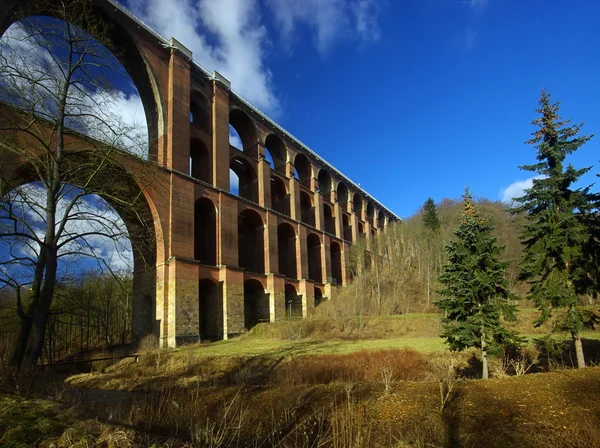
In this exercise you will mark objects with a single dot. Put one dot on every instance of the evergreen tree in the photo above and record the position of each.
(475, 291)
(432, 225)
(431, 220)
(555, 236)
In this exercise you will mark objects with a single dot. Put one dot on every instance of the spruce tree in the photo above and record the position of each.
(555, 237)
(431, 220)
(474, 288)
(432, 225)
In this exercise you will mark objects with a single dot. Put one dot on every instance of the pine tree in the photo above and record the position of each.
(474, 288)
(432, 225)
(431, 220)
(554, 237)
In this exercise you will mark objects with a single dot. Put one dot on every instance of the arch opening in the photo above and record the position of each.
(242, 179)
(307, 211)
(303, 170)
(342, 193)
(251, 242)
(210, 311)
(370, 213)
(286, 250)
(199, 161)
(329, 219)
(336, 263)
(205, 232)
(313, 243)
(256, 304)
(277, 151)
(347, 227)
(110, 96)
(103, 253)
(293, 301)
(324, 179)
(318, 295)
(381, 219)
(199, 110)
(280, 200)
(357, 204)
(242, 132)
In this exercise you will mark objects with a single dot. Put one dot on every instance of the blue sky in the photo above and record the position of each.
(408, 98)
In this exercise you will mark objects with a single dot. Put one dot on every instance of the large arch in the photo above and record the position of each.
(358, 204)
(313, 244)
(210, 311)
(347, 227)
(276, 148)
(370, 213)
(256, 304)
(303, 169)
(380, 219)
(247, 187)
(245, 128)
(307, 211)
(336, 263)
(130, 197)
(286, 250)
(101, 18)
(199, 110)
(251, 242)
(293, 301)
(342, 193)
(324, 179)
(329, 219)
(205, 232)
(199, 161)
(318, 295)
(280, 199)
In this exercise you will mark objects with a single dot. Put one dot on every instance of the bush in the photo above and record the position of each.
(398, 365)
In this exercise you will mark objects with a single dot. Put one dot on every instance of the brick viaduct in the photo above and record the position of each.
(225, 262)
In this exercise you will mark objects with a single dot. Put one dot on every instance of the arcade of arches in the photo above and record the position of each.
(230, 256)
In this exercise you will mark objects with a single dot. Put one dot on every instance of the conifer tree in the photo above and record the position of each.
(554, 237)
(431, 220)
(432, 224)
(474, 288)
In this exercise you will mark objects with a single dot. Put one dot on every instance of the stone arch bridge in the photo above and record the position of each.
(222, 262)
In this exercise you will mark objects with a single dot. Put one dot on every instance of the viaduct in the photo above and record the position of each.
(223, 262)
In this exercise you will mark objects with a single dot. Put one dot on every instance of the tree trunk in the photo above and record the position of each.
(484, 363)
(578, 350)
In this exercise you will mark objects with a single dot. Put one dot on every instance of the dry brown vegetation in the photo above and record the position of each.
(364, 399)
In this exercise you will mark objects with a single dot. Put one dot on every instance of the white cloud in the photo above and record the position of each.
(224, 35)
(516, 190)
(330, 19)
(234, 183)
(234, 139)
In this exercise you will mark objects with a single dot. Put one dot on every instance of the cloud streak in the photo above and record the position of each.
(516, 190)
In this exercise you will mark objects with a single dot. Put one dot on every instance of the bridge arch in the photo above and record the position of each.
(342, 193)
(251, 235)
(256, 304)
(199, 110)
(286, 250)
(280, 200)
(303, 169)
(313, 244)
(205, 232)
(329, 219)
(276, 148)
(380, 219)
(246, 130)
(245, 176)
(370, 213)
(133, 201)
(200, 167)
(210, 310)
(307, 211)
(336, 263)
(324, 179)
(293, 301)
(93, 16)
(358, 204)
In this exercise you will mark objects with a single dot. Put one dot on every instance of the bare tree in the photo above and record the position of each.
(61, 128)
